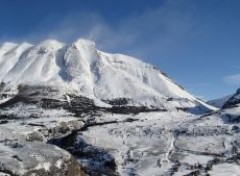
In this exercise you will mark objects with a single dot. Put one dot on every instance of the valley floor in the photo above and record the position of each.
(153, 143)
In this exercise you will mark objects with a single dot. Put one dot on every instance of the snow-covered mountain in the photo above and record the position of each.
(230, 111)
(233, 100)
(79, 68)
(220, 101)
(72, 110)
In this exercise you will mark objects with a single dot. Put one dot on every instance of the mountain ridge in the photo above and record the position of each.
(82, 69)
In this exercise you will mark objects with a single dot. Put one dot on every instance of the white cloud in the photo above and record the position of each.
(200, 85)
(232, 79)
(150, 35)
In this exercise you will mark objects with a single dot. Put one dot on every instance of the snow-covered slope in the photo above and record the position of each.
(81, 69)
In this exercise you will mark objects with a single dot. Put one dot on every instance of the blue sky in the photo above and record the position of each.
(197, 42)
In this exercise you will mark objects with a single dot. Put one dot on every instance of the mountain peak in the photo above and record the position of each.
(6, 46)
(84, 43)
(50, 44)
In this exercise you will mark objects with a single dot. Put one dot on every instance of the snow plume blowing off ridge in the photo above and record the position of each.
(79, 68)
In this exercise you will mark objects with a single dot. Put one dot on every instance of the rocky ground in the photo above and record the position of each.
(45, 136)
